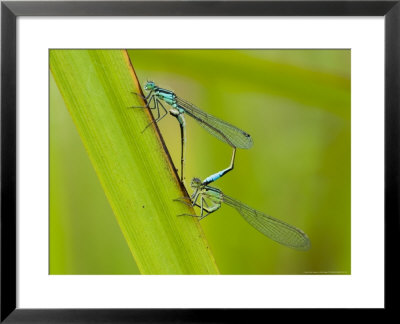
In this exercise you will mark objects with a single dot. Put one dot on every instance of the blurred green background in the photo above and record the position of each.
(296, 106)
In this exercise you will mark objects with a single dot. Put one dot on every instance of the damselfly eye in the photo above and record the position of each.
(195, 182)
(150, 85)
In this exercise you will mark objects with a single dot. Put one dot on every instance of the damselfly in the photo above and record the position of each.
(209, 200)
(233, 136)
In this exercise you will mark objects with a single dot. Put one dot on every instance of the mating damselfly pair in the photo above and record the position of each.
(208, 198)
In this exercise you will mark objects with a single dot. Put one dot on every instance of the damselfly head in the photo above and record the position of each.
(150, 85)
(196, 183)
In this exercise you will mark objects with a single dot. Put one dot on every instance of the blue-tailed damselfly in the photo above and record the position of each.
(209, 199)
(233, 136)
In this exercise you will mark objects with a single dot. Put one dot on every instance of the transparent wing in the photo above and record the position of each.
(273, 228)
(222, 130)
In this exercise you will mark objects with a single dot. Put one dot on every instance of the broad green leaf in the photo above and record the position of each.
(133, 166)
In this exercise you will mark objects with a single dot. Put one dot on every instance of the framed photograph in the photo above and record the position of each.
(195, 161)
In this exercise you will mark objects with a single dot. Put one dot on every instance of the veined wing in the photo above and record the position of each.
(222, 130)
(273, 228)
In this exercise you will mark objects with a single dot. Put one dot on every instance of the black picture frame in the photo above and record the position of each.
(9, 13)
